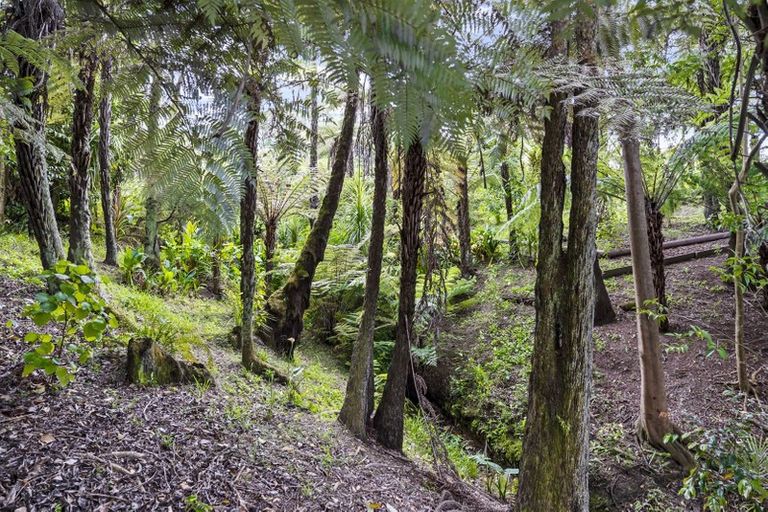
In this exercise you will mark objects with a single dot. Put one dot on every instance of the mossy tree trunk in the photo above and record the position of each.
(554, 465)
(655, 222)
(248, 207)
(80, 170)
(285, 308)
(389, 416)
(36, 20)
(654, 423)
(465, 242)
(358, 400)
(105, 135)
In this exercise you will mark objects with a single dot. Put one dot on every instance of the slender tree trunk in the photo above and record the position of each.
(270, 244)
(554, 465)
(151, 203)
(285, 307)
(763, 254)
(247, 220)
(604, 313)
(465, 244)
(654, 422)
(482, 162)
(735, 197)
(314, 200)
(655, 220)
(105, 120)
(36, 19)
(151, 227)
(358, 401)
(506, 185)
(389, 416)
(709, 82)
(80, 170)
(216, 285)
(3, 190)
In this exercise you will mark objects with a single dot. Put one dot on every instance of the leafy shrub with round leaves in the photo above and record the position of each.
(79, 313)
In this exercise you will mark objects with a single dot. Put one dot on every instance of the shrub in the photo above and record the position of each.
(79, 311)
(732, 471)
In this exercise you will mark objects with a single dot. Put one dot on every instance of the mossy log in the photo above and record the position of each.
(150, 365)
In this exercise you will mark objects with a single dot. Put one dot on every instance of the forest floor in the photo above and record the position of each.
(247, 444)
(482, 374)
(243, 444)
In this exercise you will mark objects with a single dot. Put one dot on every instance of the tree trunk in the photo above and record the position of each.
(389, 416)
(358, 401)
(654, 422)
(105, 120)
(151, 204)
(285, 307)
(604, 313)
(36, 19)
(80, 170)
(314, 200)
(465, 249)
(216, 285)
(506, 185)
(151, 226)
(763, 254)
(735, 197)
(554, 465)
(3, 190)
(270, 244)
(655, 220)
(248, 207)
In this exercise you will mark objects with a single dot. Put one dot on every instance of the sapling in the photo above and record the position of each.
(79, 312)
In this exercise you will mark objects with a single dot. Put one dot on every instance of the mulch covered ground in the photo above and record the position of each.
(103, 445)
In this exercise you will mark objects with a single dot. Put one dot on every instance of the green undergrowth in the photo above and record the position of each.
(190, 327)
(489, 385)
(18, 257)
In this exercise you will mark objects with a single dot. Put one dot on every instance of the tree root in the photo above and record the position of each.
(676, 448)
(266, 370)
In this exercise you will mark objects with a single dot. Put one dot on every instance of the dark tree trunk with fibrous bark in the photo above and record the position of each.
(36, 19)
(80, 170)
(604, 313)
(389, 416)
(655, 223)
(247, 220)
(270, 246)
(358, 400)
(506, 185)
(465, 243)
(554, 465)
(285, 308)
(654, 423)
(105, 120)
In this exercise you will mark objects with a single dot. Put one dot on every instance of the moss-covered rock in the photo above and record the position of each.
(149, 364)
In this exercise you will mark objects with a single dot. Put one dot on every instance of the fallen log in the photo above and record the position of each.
(683, 242)
(622, 271)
